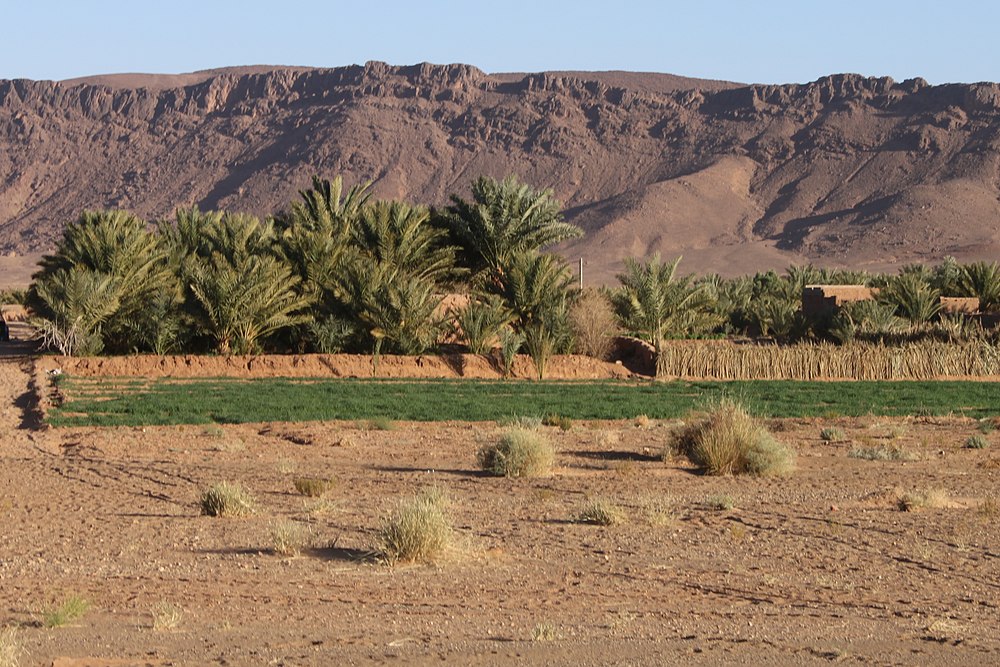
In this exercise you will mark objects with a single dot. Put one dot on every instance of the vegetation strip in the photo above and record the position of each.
(221, 400)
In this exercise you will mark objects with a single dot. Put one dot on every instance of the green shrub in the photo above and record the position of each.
(71, 610)
(976, 442)
(419, 529)
(729, 441)
(226, 499)
(519, 453)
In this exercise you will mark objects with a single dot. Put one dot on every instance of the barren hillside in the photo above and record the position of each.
(846, 170)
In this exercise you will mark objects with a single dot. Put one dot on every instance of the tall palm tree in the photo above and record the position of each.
(504, 219)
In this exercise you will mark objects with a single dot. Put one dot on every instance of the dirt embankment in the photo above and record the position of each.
(561, 367)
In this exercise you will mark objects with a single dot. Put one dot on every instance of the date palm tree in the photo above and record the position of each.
(654, 303)
(504, 219)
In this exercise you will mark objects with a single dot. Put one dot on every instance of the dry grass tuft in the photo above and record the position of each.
(11, 650)
(720, 502)
(289, 538)
(872, 452)
(912, 501)
(314, 487)
(519, 453)
(544, 632)
(226, 499)
(729, 441)
(71, 610)
(167, 616)
(832, 434)
(602, 512)
(419, 529)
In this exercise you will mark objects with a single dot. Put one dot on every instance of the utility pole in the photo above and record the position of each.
(581, 274)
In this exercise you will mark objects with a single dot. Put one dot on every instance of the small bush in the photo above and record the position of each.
(519, 453)
(289, 538)
(71, 610)
(976, 442)
(314, 487)
(832, 434)
(11, 649)
(544, 632)
(516, 421)
(728, 441)
(167, 616)
(226, 499)
(917, 500)
(986, 426)
(564, 423)
(602, 512)
(720, 502)
(881, 453)
(417, 531)
(377, 424)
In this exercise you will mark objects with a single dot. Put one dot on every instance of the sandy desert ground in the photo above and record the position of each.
(818, 567)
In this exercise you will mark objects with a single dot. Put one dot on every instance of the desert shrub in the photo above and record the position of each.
(925, 499)
(593, 323)
(521, 421)
(720, 502)
(11, 649)
(71, 610)
(564, 423)
(881, 453)
(520, 452)
(226, 499)
(167, 616)
(986, 426)
(976, 442)
(832, 434)
(729, 441)
(314, 487)
(289, 538)
(377, 424)
(417, 530)
(544, 632)
(602, 512)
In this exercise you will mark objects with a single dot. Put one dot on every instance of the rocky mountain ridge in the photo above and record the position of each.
(846, 170)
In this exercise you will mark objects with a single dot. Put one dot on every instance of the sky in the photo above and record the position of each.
(782, 41)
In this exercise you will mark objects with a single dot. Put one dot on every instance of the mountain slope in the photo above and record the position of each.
(847, 170)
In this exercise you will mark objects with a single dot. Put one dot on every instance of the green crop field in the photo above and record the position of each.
(133, 402)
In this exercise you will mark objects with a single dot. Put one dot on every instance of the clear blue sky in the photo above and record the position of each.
(739, 40)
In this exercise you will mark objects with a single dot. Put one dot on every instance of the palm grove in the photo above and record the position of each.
(340, 271)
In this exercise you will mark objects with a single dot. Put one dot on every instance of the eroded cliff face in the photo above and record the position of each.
(844, 170)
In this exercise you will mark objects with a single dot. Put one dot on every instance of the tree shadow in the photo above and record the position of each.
(614, 455)
(447, 471)
(342, 554)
